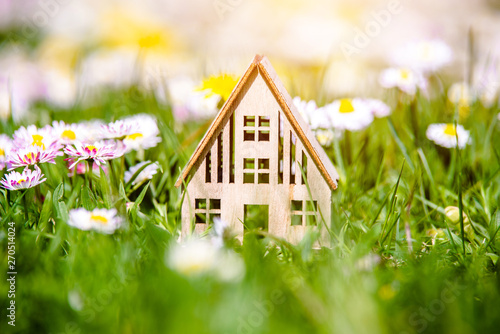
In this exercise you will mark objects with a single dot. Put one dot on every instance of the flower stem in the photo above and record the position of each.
(26, 216)
(7, 216)
(88, 174)
(414, 120)
(348, 146)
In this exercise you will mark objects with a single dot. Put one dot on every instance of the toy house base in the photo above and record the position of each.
(258, 164)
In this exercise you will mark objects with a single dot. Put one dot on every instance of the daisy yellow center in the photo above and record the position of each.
(134, 136)
(426, 51)
(90, 147)
(29, 156)
(405, 74)
(193, 268)
(68, 134)
(21, 181)
(149, 41)
(37, 141)
(2, 152)
(450, 130)
(322, 138)
(219, 85)
(99, 219)
(346, 106)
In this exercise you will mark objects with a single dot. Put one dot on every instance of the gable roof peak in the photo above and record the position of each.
(301, 128)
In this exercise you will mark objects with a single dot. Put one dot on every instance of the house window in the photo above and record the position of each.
(304, 213)
(256, 167)
(208, 167)
(256, 128)
(292, 158)
(303, 179)
(206, 210)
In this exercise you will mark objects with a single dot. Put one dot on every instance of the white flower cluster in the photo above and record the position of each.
(330, 120)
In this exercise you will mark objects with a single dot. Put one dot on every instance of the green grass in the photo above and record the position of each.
(383, 274)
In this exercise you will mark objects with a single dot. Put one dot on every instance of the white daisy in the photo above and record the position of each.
(305, 108)
(100, 220)
(119, 129)
(193, 257)
(461, 94)
(69, 133)
(487, 85)
(146, 136)
(27, 179)
(114, 68)
(187, 102)
(197, 257)
(146, 174)
(218, 231)
(326, 137)
(445, 135)
(349, 114)
(426, 55)
(405, 80)
(5, 147)
(93, 130)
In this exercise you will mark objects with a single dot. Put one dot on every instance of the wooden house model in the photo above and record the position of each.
(258, 163)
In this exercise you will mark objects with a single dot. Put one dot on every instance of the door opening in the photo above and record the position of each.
(256, 217)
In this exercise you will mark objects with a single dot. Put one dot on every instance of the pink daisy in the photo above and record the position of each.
(99, 152)
(27, 179)
(32, 155)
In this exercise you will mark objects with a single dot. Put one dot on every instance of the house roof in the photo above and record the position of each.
(303, 131)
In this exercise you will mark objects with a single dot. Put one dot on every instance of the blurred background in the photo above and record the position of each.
(65, 52)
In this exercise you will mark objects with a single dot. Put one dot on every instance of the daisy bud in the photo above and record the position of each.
(453, 214)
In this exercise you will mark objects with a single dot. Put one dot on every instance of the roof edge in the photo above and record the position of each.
(218, 120)
(299, 128)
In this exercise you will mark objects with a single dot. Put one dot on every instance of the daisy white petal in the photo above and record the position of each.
(188, 101)
(305, 108)
(146, 174)
(32, 155)
(69, 133)
(425, 55)
(99, 152)
(32, 136)
(196, 257)
(119, 129)
(378, 108)
(81, 168)
(326, 137)
(192, 258)
(461, 94)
